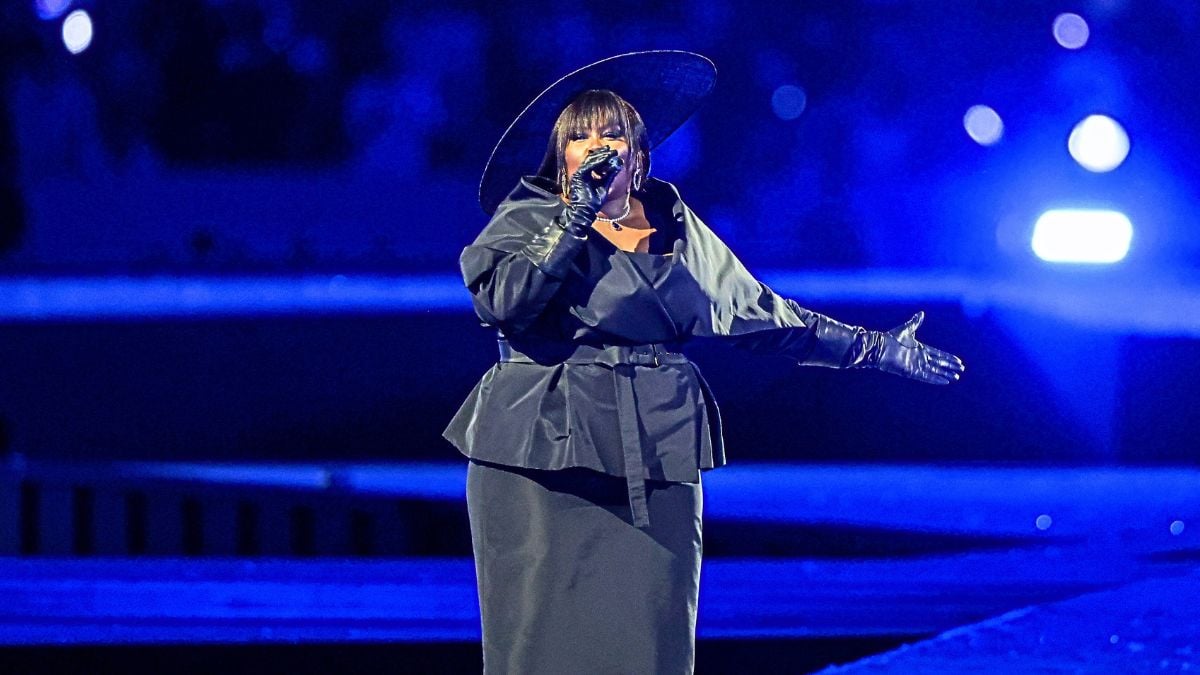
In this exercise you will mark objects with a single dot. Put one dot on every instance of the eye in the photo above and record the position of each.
(614, 133)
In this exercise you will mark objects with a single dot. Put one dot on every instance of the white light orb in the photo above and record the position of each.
(1082, 236)
(77, 31)
(1070, 30)
(983, 124)
(1099, 143)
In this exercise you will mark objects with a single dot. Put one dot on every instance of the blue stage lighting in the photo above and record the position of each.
(1071, 31)
(77, 31)
(789, 101)
(1098, 143)
(1082, 236)
(51, 9)
(983, 124)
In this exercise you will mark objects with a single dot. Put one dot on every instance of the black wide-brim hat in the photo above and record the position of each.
(664, 86)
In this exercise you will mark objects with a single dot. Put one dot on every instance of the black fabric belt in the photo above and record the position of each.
(623, 359)
(649, 355)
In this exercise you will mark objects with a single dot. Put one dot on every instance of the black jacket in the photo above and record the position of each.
(551, 410)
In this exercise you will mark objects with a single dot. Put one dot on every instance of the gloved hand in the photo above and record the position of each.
(898, 352)
(589, 186)
(555, 247)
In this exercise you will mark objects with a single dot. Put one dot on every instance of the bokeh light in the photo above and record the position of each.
(1082, 236)
(1071, 31)
(51, 9)
(1099, 143)
(308, 55)
(789, 101)
(77, 31)
(983, 124)
(1177, 527)
(1043, 522)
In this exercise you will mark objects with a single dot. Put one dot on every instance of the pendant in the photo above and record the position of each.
(617, 226)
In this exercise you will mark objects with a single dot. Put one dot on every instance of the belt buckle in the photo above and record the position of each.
(638, 356)
(647, 356)
(650, 359)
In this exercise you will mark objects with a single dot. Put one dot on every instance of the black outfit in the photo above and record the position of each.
(588, 437)
(568, 585)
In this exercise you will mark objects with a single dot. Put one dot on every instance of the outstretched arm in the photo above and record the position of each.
(745, 311)
(823, 341)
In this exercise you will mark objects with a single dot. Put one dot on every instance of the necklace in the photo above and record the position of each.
(615, 222)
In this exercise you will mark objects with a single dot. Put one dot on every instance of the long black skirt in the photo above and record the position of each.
(568, 585)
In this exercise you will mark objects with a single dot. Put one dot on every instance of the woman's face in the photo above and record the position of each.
(610, 134)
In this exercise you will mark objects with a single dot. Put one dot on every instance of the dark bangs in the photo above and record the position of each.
(593, 109)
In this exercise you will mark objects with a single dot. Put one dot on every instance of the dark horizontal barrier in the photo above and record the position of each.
(381, 386)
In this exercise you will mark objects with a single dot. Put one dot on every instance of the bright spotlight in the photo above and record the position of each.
(77, 31)
(1070, 30)
(983, 124)
(789, 101)
(1098, 143)
(1082, 236)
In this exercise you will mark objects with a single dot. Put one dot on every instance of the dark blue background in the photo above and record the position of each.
(272, 140)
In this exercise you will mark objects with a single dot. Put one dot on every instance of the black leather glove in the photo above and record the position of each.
(589, 186)
(898, 352)
(553, 250)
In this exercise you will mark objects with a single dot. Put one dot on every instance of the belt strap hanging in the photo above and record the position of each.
(631, 443)
(622, 360)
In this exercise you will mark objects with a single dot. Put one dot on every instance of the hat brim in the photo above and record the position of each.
(664, 86)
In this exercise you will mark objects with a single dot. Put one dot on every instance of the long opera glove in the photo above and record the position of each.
(553, 249)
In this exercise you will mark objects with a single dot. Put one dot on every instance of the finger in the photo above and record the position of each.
(948, 375)
(610, 168)
(909, 329)
(933, 377)
(950, 364)
(947, 369)
(602, 172)
(597, 157)
(940, 355)
(606, 157)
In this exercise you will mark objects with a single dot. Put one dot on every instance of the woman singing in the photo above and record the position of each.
(586, 440)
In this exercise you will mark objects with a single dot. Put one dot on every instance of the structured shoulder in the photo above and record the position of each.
(526, 212)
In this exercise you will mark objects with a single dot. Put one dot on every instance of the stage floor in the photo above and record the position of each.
(974, 560)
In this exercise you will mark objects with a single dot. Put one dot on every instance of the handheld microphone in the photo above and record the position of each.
(611, 166)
